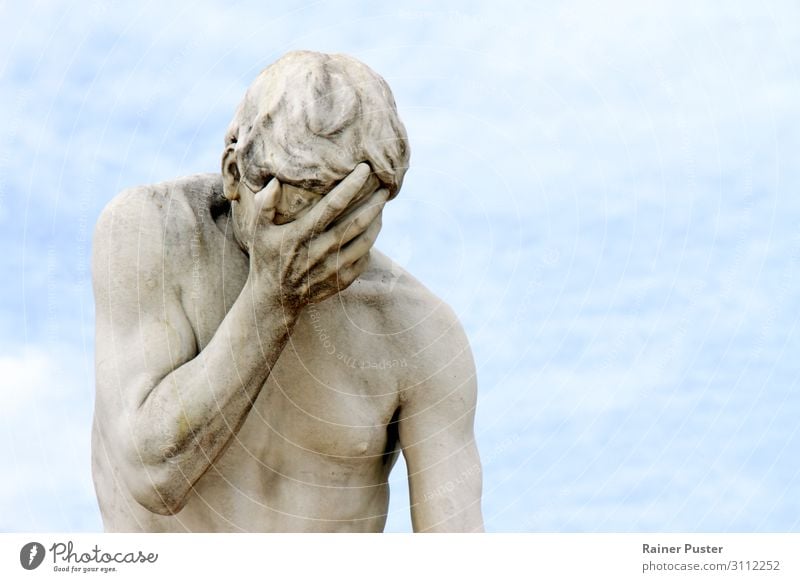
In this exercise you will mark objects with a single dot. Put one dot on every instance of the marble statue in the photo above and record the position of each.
(259, 365)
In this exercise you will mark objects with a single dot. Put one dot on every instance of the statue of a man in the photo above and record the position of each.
(259, 365)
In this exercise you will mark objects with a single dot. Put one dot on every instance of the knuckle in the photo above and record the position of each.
(339, 203)
(367, 217)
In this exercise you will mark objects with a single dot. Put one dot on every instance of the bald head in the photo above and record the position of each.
(310, 118)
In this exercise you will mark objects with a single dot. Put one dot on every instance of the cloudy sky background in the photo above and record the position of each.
(608, 197)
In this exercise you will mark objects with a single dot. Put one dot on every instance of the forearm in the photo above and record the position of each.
(190, 416)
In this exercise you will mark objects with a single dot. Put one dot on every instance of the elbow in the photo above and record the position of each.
(159, 501)
(161, 490)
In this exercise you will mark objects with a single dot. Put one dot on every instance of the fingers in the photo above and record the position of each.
(266, 202)
(339, 281)
(354, 223)
(351, 272)
(338, 200)
(367, 189)
(359, 246)
(337, 271)
(328, 247)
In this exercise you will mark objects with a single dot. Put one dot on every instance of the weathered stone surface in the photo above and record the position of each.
(259, 364)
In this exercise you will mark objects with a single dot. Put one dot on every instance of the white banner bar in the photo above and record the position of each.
(406, 557)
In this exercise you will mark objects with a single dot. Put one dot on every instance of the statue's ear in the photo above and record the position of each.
(230, 173)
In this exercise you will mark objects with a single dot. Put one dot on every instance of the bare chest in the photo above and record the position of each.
(317, 404)
(334, 391)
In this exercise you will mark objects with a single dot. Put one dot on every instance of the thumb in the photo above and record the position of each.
(266, 202)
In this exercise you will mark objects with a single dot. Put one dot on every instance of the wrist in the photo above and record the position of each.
(268, 300)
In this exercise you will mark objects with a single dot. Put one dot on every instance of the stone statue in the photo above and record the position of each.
(259, 364)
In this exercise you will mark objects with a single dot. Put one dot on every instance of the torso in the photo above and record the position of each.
(317, 447)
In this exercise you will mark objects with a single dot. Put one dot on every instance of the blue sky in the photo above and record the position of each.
(607, 196)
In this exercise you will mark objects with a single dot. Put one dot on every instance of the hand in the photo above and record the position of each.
(322, 252)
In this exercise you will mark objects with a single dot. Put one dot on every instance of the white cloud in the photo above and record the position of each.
(46, 416)
(25, 377)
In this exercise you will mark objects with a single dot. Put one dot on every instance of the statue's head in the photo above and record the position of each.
(308, 119)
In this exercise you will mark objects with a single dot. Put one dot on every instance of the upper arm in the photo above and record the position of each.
(437, 437)
(142, 332)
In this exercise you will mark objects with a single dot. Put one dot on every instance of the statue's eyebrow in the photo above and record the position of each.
(255, 175)
(316, 186)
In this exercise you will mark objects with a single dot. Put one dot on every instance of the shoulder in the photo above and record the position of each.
(142, 228)
(440, 380)
(406, 301)
(419, 321)
(178, 203)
